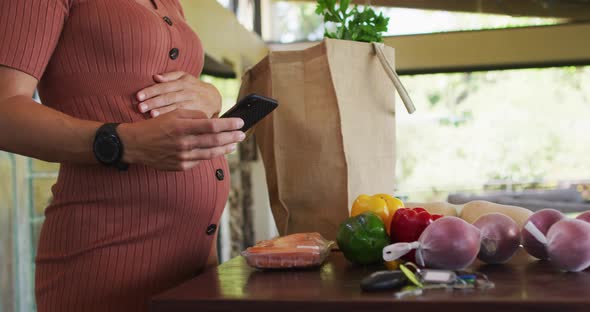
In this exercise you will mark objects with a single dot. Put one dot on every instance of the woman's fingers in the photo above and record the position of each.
(165, 100)
(207, 153)
(180, 105)
(171, 76)
(160, 88)
(180, 139)
(189, 159)
(185, 165)
(178, 89)
(203, 126)
(160, 111)
(190, 114)
(210, 140)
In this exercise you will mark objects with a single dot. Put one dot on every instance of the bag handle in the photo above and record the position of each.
(394, 78)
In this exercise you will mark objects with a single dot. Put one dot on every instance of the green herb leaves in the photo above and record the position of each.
(352, 24)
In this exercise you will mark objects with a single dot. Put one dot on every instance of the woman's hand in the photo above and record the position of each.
(179, 140)
(177, 90)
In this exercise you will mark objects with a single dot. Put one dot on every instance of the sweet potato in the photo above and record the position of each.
(441, 208)
(477, 208)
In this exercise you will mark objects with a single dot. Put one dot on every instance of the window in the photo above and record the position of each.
(497, 130)
(290, 21)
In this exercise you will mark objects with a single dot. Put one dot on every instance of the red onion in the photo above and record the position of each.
(448, 243)
(500, 237)
(584, 216)
(542, 220)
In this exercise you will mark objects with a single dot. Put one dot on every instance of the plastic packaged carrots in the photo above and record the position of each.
(299, 250)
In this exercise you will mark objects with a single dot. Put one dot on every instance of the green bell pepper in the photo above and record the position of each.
(362, 238)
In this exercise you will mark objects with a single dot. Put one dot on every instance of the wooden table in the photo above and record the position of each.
(524, 284)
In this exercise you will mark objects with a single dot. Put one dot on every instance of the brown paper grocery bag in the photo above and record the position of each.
(332, 136)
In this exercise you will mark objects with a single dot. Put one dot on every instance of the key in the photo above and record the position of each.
(477, 279)
(409, 291)
(419, 291)
(462, 285)
(437, 286)
(484, 284)
(384, 280)
(438, 276)
(410, 275)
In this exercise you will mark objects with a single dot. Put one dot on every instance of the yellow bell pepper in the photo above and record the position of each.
(384, 205)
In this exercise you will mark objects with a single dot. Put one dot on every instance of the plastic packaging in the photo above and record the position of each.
(301, 250)
(585, 216)
(542, 220)
(448, 243)
(567, 242)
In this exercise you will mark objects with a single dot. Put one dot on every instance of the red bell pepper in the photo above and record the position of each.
(408, 224)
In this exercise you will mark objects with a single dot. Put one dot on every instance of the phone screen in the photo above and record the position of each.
(251, 109)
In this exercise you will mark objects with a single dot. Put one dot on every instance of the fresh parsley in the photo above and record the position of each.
(352, 24)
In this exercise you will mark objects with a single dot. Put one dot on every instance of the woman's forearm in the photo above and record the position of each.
(37, 131)
(177, 140)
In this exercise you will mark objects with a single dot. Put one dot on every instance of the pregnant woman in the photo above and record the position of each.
(143, 177)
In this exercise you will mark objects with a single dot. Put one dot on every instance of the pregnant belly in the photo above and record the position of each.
(96, 207)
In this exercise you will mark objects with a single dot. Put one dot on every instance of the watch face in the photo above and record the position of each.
(107, 149)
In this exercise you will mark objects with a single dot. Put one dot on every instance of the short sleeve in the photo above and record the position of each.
(29, 32)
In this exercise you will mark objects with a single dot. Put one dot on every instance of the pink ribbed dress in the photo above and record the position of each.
(113, 239)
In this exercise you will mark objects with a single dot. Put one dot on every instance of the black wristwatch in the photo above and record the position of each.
(108, 148)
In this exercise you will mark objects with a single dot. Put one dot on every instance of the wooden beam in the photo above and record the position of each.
(230, 48)
(526, 47)
(578, 10)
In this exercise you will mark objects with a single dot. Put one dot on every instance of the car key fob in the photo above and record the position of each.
(384, 280)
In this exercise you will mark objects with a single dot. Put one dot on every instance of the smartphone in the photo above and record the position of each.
(251, 109)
